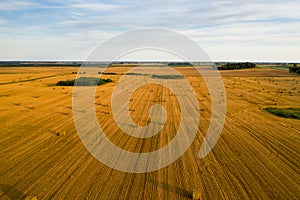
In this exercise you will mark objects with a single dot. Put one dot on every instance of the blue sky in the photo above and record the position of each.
(257, 30)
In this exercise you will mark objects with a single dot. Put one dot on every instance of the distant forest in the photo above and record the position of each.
(231, 66)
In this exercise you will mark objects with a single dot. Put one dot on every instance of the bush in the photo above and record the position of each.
(294, 69)
(66, 83)
(84, 81)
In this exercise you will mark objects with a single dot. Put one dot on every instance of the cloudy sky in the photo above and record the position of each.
(229, 30)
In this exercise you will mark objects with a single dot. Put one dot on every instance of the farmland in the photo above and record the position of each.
(256, 157)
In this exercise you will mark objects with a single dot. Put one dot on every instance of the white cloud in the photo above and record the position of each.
(95, 6)
(11, 5)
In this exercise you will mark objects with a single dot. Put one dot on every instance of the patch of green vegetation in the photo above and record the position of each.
(136, 74)
(275, 66)
(293, 113)
(155, 76)
(84, 81)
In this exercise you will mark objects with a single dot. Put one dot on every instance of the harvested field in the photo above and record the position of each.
(256, 157)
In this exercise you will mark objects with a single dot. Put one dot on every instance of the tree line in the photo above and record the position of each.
(84, 81)
(231, 66)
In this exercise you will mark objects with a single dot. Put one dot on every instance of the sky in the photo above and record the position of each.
(236, 30)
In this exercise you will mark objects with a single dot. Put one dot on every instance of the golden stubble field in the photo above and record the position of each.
(256, 157)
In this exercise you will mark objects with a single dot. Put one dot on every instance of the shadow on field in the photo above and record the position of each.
(172, 188)
(12, 193)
